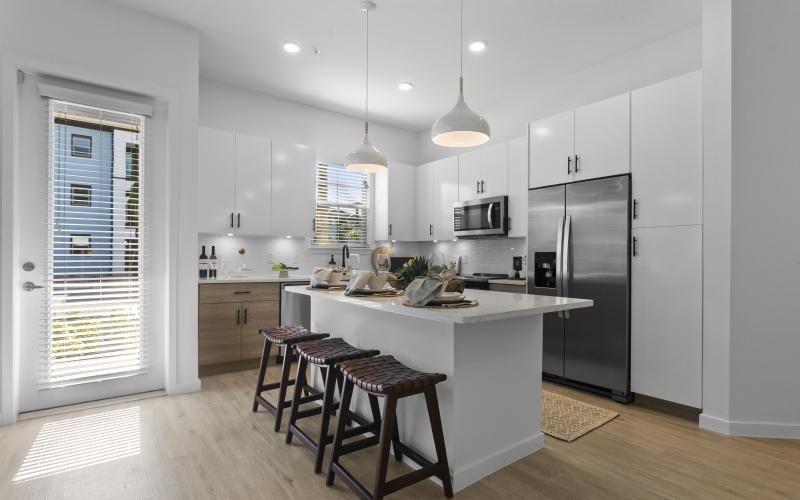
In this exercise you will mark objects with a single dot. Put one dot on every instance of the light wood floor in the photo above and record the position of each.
(209, 445)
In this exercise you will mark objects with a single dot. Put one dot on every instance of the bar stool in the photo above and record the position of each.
(288, 336)
(387, 377)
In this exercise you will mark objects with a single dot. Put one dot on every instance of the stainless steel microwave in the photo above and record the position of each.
(481, 218)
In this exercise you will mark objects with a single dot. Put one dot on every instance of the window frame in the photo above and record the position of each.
(73, 196)
(366, 196)
(72, 150)
(80, 250)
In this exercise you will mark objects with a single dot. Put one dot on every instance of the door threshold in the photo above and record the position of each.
(58, 410)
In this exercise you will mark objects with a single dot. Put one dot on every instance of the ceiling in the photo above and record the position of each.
(529, 42)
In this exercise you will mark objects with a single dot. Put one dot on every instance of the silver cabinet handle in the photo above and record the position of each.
(30, 286)
(635, 208)
(565, 262)
(635, 246)
(569, 164)
(576, 164)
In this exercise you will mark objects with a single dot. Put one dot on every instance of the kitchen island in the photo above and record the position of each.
(491, 354)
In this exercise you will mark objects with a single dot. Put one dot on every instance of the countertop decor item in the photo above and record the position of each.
(414, 268)
(283, 269)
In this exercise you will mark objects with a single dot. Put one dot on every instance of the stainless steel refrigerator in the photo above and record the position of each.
(578, 246)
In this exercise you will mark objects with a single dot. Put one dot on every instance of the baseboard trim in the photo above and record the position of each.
(476, 471)
(750, 429)
(185, 387)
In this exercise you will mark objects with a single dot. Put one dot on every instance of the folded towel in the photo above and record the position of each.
(320, 275)
(359, 281)
(420, 291)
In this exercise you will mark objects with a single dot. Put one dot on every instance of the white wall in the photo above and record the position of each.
(101, 43)
(333, 134)
(754, 177)
(658, 61)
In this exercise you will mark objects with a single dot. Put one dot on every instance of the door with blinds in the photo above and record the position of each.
(84, 298)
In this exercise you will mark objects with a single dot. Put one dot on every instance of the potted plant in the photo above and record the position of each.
(418, 266)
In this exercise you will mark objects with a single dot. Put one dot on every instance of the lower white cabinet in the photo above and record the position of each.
(666, 314)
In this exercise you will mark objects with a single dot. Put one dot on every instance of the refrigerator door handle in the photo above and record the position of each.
(565, 254)
(559, 259)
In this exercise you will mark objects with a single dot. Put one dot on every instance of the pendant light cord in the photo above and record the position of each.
(366, 94)
(461, 51)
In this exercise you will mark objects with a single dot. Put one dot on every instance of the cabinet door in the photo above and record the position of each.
(666, 314)
(253, 186)
(667, 152)
(602, 138)
(423, 203)
(469, 175)
(219, 333)
(552, 143)
(494, 170)
(445, 183)
(216, 180)
(255, 316)
(518, 187)
(294, 168)
(401, 187)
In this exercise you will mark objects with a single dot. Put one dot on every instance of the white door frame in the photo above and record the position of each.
(165, 233)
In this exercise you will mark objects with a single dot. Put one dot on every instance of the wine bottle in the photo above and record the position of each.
(203, 264)
(212, 263)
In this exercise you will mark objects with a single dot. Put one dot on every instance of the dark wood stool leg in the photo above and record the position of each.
(262, 371)
(300, 381)
(398, 455)
(387, 425)
(438, 440)
(327, 404)
(287, 365)
(347, 395)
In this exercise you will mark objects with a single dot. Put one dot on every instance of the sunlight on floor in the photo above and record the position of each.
(82, 442)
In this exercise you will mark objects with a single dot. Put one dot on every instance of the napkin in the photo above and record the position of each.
(320, 275)
(358, 281)
(420, 291)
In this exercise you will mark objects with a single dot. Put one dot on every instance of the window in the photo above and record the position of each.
(81, 146)
(131, 161)
(341, 212)
(80, 195)
(80, 244)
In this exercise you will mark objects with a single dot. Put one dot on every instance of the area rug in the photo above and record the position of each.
(568, 419)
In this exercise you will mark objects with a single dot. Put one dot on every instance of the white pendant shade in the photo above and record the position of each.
(460, 127)
(366, 158)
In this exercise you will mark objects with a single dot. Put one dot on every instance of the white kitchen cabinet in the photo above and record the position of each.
(552, 150)
(483, 173)
(445, 194)
(253, 186)
(518, 187)
(602, 138)
(667, 152)
(666, 314)
(423, 203)
(394, 216)
(293, 184)
(216, 181)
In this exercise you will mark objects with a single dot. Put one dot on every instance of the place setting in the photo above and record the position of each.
(432, 291)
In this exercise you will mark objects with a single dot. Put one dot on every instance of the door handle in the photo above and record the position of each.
(239, 219)
(430, 229)
(483, 187)
(635, 208)
(576, 164)
(231, 219)
(30, 286)
(478, 187)
(238, 312)
(565, 263)
(569, 164)
(635, 246)
(559, 259)
(245, 316)
(390, 229)
(313, 224)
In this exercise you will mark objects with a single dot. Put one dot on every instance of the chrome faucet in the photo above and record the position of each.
(345, 255)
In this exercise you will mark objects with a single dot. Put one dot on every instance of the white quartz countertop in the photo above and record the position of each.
(492, 305)
(510, 281)
(259, 279)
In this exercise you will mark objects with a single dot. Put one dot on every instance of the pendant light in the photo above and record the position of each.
(366, 158)
(460, 127)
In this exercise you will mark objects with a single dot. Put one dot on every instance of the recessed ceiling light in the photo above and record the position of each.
(291, 47)
(405, 86)
(477, 46)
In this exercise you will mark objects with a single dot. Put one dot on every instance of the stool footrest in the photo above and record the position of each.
(358, 445)
(352, 482)
(416, 476)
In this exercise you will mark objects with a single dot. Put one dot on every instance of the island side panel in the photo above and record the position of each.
(422, 344)
(498, 373)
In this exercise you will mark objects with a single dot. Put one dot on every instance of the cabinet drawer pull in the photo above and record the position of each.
(239, 292)
(238, 312)
(245, 316)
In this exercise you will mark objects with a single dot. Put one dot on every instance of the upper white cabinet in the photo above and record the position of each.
(253, 189)
(423, 203)
(483, 173)
(445, 194)
(518, 186)
(666, 152)
(666, 314)
(216, 183)
(293, 184)
(602, 138)
(394, 215)
(552, 143)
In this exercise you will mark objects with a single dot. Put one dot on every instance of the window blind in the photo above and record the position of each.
(95, 308)
(342, 207)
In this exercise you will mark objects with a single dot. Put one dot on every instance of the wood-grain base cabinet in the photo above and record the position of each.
(230, 317)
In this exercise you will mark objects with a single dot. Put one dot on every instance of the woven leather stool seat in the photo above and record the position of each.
(331, 351)
(386, 375)
(290, 334)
